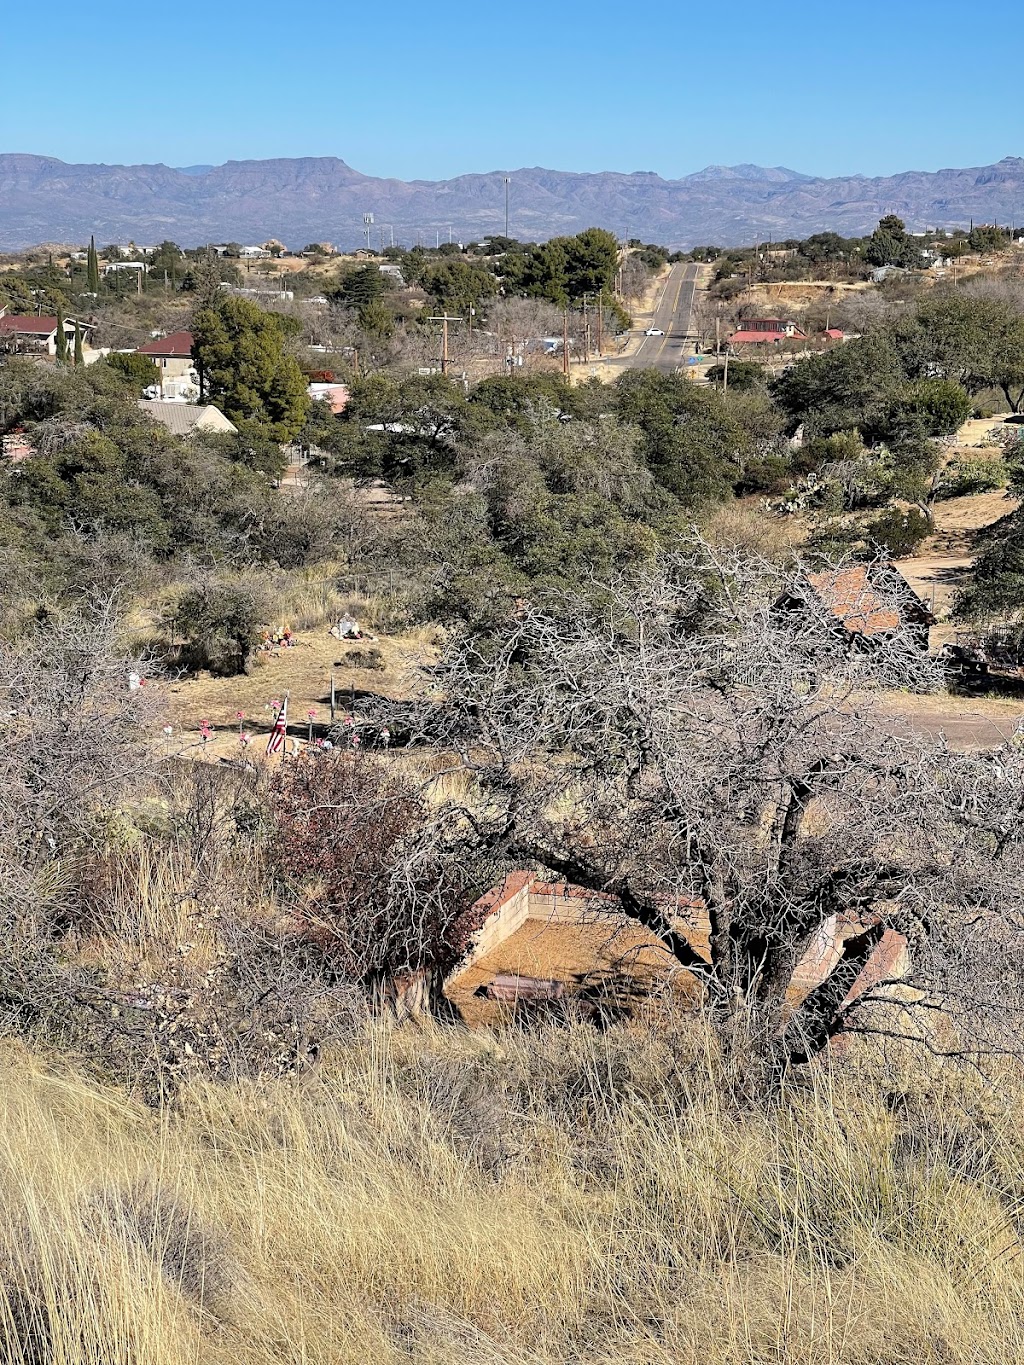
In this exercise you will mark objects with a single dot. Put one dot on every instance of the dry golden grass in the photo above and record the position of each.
(745, 525)
(445, 1197)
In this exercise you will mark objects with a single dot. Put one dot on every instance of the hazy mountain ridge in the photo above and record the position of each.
(304, 199)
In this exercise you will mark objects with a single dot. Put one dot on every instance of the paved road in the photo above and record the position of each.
(672, 316)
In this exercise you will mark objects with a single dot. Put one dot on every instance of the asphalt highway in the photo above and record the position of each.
(671, 316)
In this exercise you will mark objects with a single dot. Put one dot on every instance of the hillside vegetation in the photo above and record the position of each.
(596, 637)
(552, 1197)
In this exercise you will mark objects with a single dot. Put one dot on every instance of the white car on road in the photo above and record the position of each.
(654, 332)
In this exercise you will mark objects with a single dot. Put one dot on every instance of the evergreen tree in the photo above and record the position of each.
(92, 268)
(244, 368)
(79, 359)
(62, 341)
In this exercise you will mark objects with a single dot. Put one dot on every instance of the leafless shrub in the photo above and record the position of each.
(699, 750)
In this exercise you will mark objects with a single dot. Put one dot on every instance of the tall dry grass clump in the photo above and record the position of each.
(565, 1195)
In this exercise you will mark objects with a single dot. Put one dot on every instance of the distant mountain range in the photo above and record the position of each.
(321, 198)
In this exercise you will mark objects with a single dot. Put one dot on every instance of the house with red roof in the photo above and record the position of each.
(174, 358)
(27, 334)
(766, 332)
(171, 354)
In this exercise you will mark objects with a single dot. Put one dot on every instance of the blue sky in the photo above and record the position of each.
(420, 91)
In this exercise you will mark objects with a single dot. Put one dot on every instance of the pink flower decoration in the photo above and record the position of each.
(239, 715)
(311, 715)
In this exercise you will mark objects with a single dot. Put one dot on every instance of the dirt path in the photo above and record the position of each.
(936, 572)
(944, 559)
(964, 722)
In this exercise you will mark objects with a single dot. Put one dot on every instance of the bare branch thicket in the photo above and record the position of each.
(691, 743)
(514, 319)
(74, 741)
(384, 883)
(635, 277)
(713, 316)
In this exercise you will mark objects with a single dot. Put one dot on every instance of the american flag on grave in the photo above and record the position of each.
(275, 744)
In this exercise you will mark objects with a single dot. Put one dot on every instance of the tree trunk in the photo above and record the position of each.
(755, 1058)
(406, 996)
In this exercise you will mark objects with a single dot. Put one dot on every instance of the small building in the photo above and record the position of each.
(118, 267)
(766, 331)
(26, 334)
(171, 354)
(336, 395)
(870, 602)
(185, 419)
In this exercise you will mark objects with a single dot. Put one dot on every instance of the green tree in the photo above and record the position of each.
(407, 428)
(565, 268)
(942, 403)
(137, 369)
(693, 443)
(61, 339)
(987, 237)
(823, 247)
(222, 621)
(92, 268)
(15, 293)
(359, 286)
(978, 339)
(377, 319)
(847, 387)
(890, 245)
(243, 367)
(456, 286)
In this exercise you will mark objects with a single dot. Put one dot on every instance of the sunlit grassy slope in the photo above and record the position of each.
(563, 1197)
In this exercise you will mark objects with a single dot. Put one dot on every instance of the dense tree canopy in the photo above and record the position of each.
(244, 368)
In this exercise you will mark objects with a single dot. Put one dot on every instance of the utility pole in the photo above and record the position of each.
(508, 182)
(586, 332)
(444, 321)
(565, 342)
(600, 323)
(367, 225)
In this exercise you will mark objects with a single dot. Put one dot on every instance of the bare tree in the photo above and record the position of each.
(515, 321)
(636, 276)
(75, 738)
(715, 756)
(713, 317)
